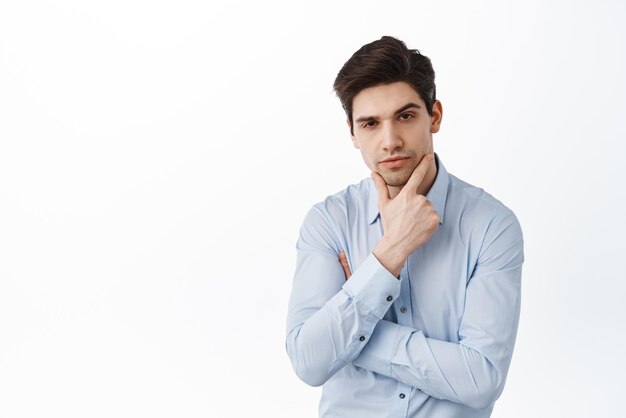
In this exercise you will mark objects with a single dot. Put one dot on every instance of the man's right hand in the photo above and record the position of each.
(409, 220)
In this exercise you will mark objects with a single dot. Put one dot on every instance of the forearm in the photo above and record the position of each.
(322, 340)
(444, 370)
(471, 371)
(329, 339)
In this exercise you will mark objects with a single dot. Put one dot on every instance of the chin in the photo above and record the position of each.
(396, 179)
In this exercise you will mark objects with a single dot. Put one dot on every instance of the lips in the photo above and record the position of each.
(394, 162)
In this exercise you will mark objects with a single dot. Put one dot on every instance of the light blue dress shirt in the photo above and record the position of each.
(435, 342)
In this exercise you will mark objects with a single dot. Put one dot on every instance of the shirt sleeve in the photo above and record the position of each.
(330, 320)
(473, 370)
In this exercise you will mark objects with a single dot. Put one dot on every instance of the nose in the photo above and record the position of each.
(390, 137)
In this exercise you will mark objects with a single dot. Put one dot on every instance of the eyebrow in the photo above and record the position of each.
(402, 109)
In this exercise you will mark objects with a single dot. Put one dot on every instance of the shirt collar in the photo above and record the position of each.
(437, 194)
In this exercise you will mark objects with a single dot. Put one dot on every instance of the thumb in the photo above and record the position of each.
(381, 188)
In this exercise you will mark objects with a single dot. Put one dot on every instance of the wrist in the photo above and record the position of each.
(389, 256)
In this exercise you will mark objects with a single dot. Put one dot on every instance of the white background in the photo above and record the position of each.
(157, 159)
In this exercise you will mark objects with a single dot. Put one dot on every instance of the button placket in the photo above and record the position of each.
(403, 301)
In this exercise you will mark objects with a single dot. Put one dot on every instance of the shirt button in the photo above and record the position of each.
(403, 309)
(389, 298)
(361, 338)
(402, 396)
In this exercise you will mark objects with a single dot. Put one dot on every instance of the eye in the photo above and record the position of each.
(369, 124)
(405, 116)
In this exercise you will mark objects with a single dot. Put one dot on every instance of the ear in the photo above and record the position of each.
(354, 140)
(435, 120)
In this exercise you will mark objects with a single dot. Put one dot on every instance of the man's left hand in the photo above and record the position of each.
(344, 263)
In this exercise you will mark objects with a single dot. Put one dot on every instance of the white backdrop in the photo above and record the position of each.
(158, 157)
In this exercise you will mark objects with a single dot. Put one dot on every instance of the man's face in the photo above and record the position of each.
(393, 129)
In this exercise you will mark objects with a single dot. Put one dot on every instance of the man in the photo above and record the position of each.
(406, 294)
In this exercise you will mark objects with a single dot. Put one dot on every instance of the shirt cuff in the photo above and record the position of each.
(374, 286)
(376, 355)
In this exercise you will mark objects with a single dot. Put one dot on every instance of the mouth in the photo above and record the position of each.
(394, 162)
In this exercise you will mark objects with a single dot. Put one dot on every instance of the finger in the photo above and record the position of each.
(418, 174)
(344, 263)
(381, 187)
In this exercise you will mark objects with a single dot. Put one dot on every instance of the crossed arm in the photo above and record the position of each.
(446, 370)
(334, 322)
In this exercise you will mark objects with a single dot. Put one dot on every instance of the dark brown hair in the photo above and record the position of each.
(385, 61)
